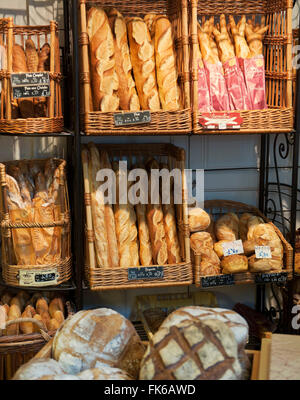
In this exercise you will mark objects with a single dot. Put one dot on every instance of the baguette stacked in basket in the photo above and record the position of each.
(212, 235)
(49, 313)
(230, 64)
(33, 196)
(132, 62)
(127, 235)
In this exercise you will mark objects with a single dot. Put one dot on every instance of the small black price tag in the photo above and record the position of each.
(132, 118)
(271, 278)
(145, 273)
(31, 84)
(217, 280)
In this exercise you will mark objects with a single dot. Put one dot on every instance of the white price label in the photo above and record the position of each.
(231, 248)
(38, 277)
(222, 125)
(263, 252)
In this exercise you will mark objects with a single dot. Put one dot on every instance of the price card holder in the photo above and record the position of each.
(145, 273)
(38, 278)
(271, 278)
(218, 280)
(231, 248)
(132, 118)
(221, 121)
(30, 84)
(263, 252)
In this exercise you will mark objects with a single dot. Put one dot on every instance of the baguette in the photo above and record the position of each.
(14, 313)
(32, 58)
(143, 61)
(105, 80)
(150, 19)
(59, 316)
(44, 58)
(133, 234)
(36, 329)
(98, 209)
(110, 224)
(56, 304)
(53, 325)
(27, 327)
(127, 91)
(166, 69)
(41, 305)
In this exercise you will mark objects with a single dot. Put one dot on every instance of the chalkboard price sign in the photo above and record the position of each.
(271, 278)
(145, 273)
(132, 118)
(217, 280)
(31, 84)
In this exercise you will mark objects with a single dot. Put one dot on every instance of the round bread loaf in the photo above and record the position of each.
(199, 240)
(192, 350)
(199, 220)
(104, 373)
(234, 264)
(94, 337)
(37, 369)
(232, 319)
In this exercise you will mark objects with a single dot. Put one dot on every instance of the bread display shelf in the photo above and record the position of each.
(279, 116)
(180, 274)
(10, 269)
(18, 349)
(162, 122)
(219, 207)
(11, 34)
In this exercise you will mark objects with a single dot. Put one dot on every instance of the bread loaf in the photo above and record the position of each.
(90, 338)
(105, 82)
(200, 240)
(98, 209)
(104, 373)
(44, 58)
(227, 227)
(133, 233)
(32, 58)
(14, 313)
(113, 253)
(234, 264)
(27, 327)
(41, 305)
(171, 232)
(243, 225)
(252, 223)
(192, 350)
(218, 247)
(150, 19)
(38, 368)
(199, 220)
(56, 304)
(166, 69)
(143, 62)
(126, 92)
(36, 329)
(144, 235)
(155, 219)
(265, 264)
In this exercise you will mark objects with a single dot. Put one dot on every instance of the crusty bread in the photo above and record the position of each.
(199, 240)
(166, 69)
(37, 369)
(133, 233)
(126, 92)
(41, 305)
(105, 82)
(199, 220)
(227, 227)
(44, 58)
(32, 58)
(14, 313)
(56, 304)
(234, 264)
(143, 62)
(171, 233)
(144, 235)
(27, 327)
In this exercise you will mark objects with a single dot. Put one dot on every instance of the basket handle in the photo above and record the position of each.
(34, 321)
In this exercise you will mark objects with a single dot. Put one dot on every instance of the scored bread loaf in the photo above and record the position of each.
(126, 92)
(227, 227)
(200, 240)
(37, 369)
(166, 68)
(113, 253)
(150, 19)
(133, 233)
(105, 82)
(143, 62)
(56, 304)
(199, 220)
(98, 209)
(171, 233)
(234, 264)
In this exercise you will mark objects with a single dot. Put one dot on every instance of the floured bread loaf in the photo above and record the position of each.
(143, 62)
(200, 240)
(166, 69)
(104, 373)
(105, 82)
(37, 369)
(234, 264)
(126, 92)
(227, 227)
(192, 350)
(95, 337)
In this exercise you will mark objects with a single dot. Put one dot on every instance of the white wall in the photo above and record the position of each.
(202, 153)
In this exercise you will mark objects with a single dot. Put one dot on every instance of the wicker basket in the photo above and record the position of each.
(62, 268)
(219, 207)
(10, 34)
(100, 278)
(162, 122)
(18, 349)
(278, 63)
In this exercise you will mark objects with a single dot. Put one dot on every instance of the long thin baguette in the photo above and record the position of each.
(98, 209)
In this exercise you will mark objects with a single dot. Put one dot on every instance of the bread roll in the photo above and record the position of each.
(14, 313)
(105, 82)
(227, 227)
(234, 264)
(210, 262)
(27, 327)
(90, 338)
(143, 62)
(166, 69)
(16, 301)
(126, 92)
(199, 220)
(98, 209)
(218, 248)
(199, 240)
(32, 58)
